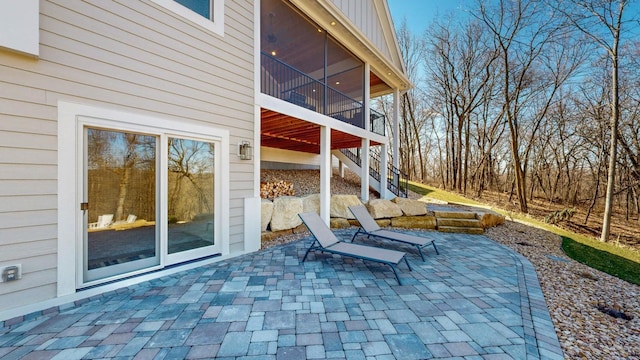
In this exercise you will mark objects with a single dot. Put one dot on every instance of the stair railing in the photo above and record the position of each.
(397, 181)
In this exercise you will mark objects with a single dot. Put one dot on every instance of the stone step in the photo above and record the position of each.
(461, 230)
(471, 223)
(453, 214)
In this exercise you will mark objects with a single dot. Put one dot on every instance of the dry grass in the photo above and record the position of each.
(624, 232)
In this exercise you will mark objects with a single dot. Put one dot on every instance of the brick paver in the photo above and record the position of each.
(477, 299)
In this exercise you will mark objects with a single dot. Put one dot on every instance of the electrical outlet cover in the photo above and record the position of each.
(11, 273)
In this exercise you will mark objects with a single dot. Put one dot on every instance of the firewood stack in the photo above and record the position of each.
(271, 190)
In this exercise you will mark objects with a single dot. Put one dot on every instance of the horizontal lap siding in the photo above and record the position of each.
(133, 56)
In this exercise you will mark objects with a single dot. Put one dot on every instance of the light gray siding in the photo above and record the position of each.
(134, 56)
(363, 14)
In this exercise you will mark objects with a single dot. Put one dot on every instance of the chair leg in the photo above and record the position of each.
(420, 251)
(356, 234)
(407, 261)
(396, 273)
(434, 246)
(309, 249)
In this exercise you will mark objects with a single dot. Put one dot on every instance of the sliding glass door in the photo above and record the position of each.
(121, 181)
(191, 198)
(150, 202)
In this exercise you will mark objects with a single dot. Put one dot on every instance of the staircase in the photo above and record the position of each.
(397, 182)
(457, 221)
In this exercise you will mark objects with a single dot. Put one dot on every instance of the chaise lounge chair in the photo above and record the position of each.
(327, 241)
(104, 221)
(369, 227)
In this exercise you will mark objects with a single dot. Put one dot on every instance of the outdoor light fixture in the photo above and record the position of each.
(245, 150)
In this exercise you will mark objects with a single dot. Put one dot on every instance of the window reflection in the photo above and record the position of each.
(190, 194)
(121, 192)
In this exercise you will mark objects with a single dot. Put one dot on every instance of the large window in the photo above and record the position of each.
(202, 7)
(206, 13)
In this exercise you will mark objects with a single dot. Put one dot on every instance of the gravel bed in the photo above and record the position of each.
(573, 291)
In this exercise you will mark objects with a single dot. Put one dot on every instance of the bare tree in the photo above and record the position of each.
(602, 21)
(460, 69)
(523, 31)
(412, 114)
(190, 165)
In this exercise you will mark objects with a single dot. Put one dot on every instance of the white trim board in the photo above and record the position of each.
(70, 158)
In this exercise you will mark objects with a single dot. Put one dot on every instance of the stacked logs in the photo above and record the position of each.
(271, 190)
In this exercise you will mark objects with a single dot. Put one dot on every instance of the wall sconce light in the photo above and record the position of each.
(245, 150)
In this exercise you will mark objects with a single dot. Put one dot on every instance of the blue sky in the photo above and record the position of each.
(420, 13)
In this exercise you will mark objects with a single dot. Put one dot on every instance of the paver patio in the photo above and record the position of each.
(476, 300)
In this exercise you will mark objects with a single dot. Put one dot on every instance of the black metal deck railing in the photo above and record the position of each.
(397, 181)
(285, 82)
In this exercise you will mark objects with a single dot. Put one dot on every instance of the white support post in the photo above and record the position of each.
(384, 175)
(396, 128)
(364, 153)
(364, 171)
(341, 169)
(366, 112)
(325, 173)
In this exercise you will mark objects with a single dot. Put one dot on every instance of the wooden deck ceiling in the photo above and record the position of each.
(286, 132)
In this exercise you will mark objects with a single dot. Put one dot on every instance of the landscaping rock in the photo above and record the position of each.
(381, 209)
(266, 212)
(311, 203)
(285, 213)
(300, 229)
(414, 222)
(380, 222)
(489, 218)
(411, 207)
(339, 223)
(340, 205)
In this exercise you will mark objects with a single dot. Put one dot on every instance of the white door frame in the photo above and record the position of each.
(71, 120)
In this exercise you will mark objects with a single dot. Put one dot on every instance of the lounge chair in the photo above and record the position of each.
(327, 241)
(369, 227)
(130, 220)
(104, 221)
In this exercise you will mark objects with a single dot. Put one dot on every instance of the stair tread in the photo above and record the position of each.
(455, 214)
(459, 222)
(459, 229)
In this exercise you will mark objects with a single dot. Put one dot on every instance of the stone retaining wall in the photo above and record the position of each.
(280, 216)
(282, 213)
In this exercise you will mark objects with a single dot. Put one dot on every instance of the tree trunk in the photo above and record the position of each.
(467, 152)
(458, 169)
(416, 135)
(615, 115)
(518, 174)
(123, 189)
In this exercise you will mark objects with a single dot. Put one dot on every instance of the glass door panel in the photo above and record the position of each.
(120, 187)
(190, 195)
